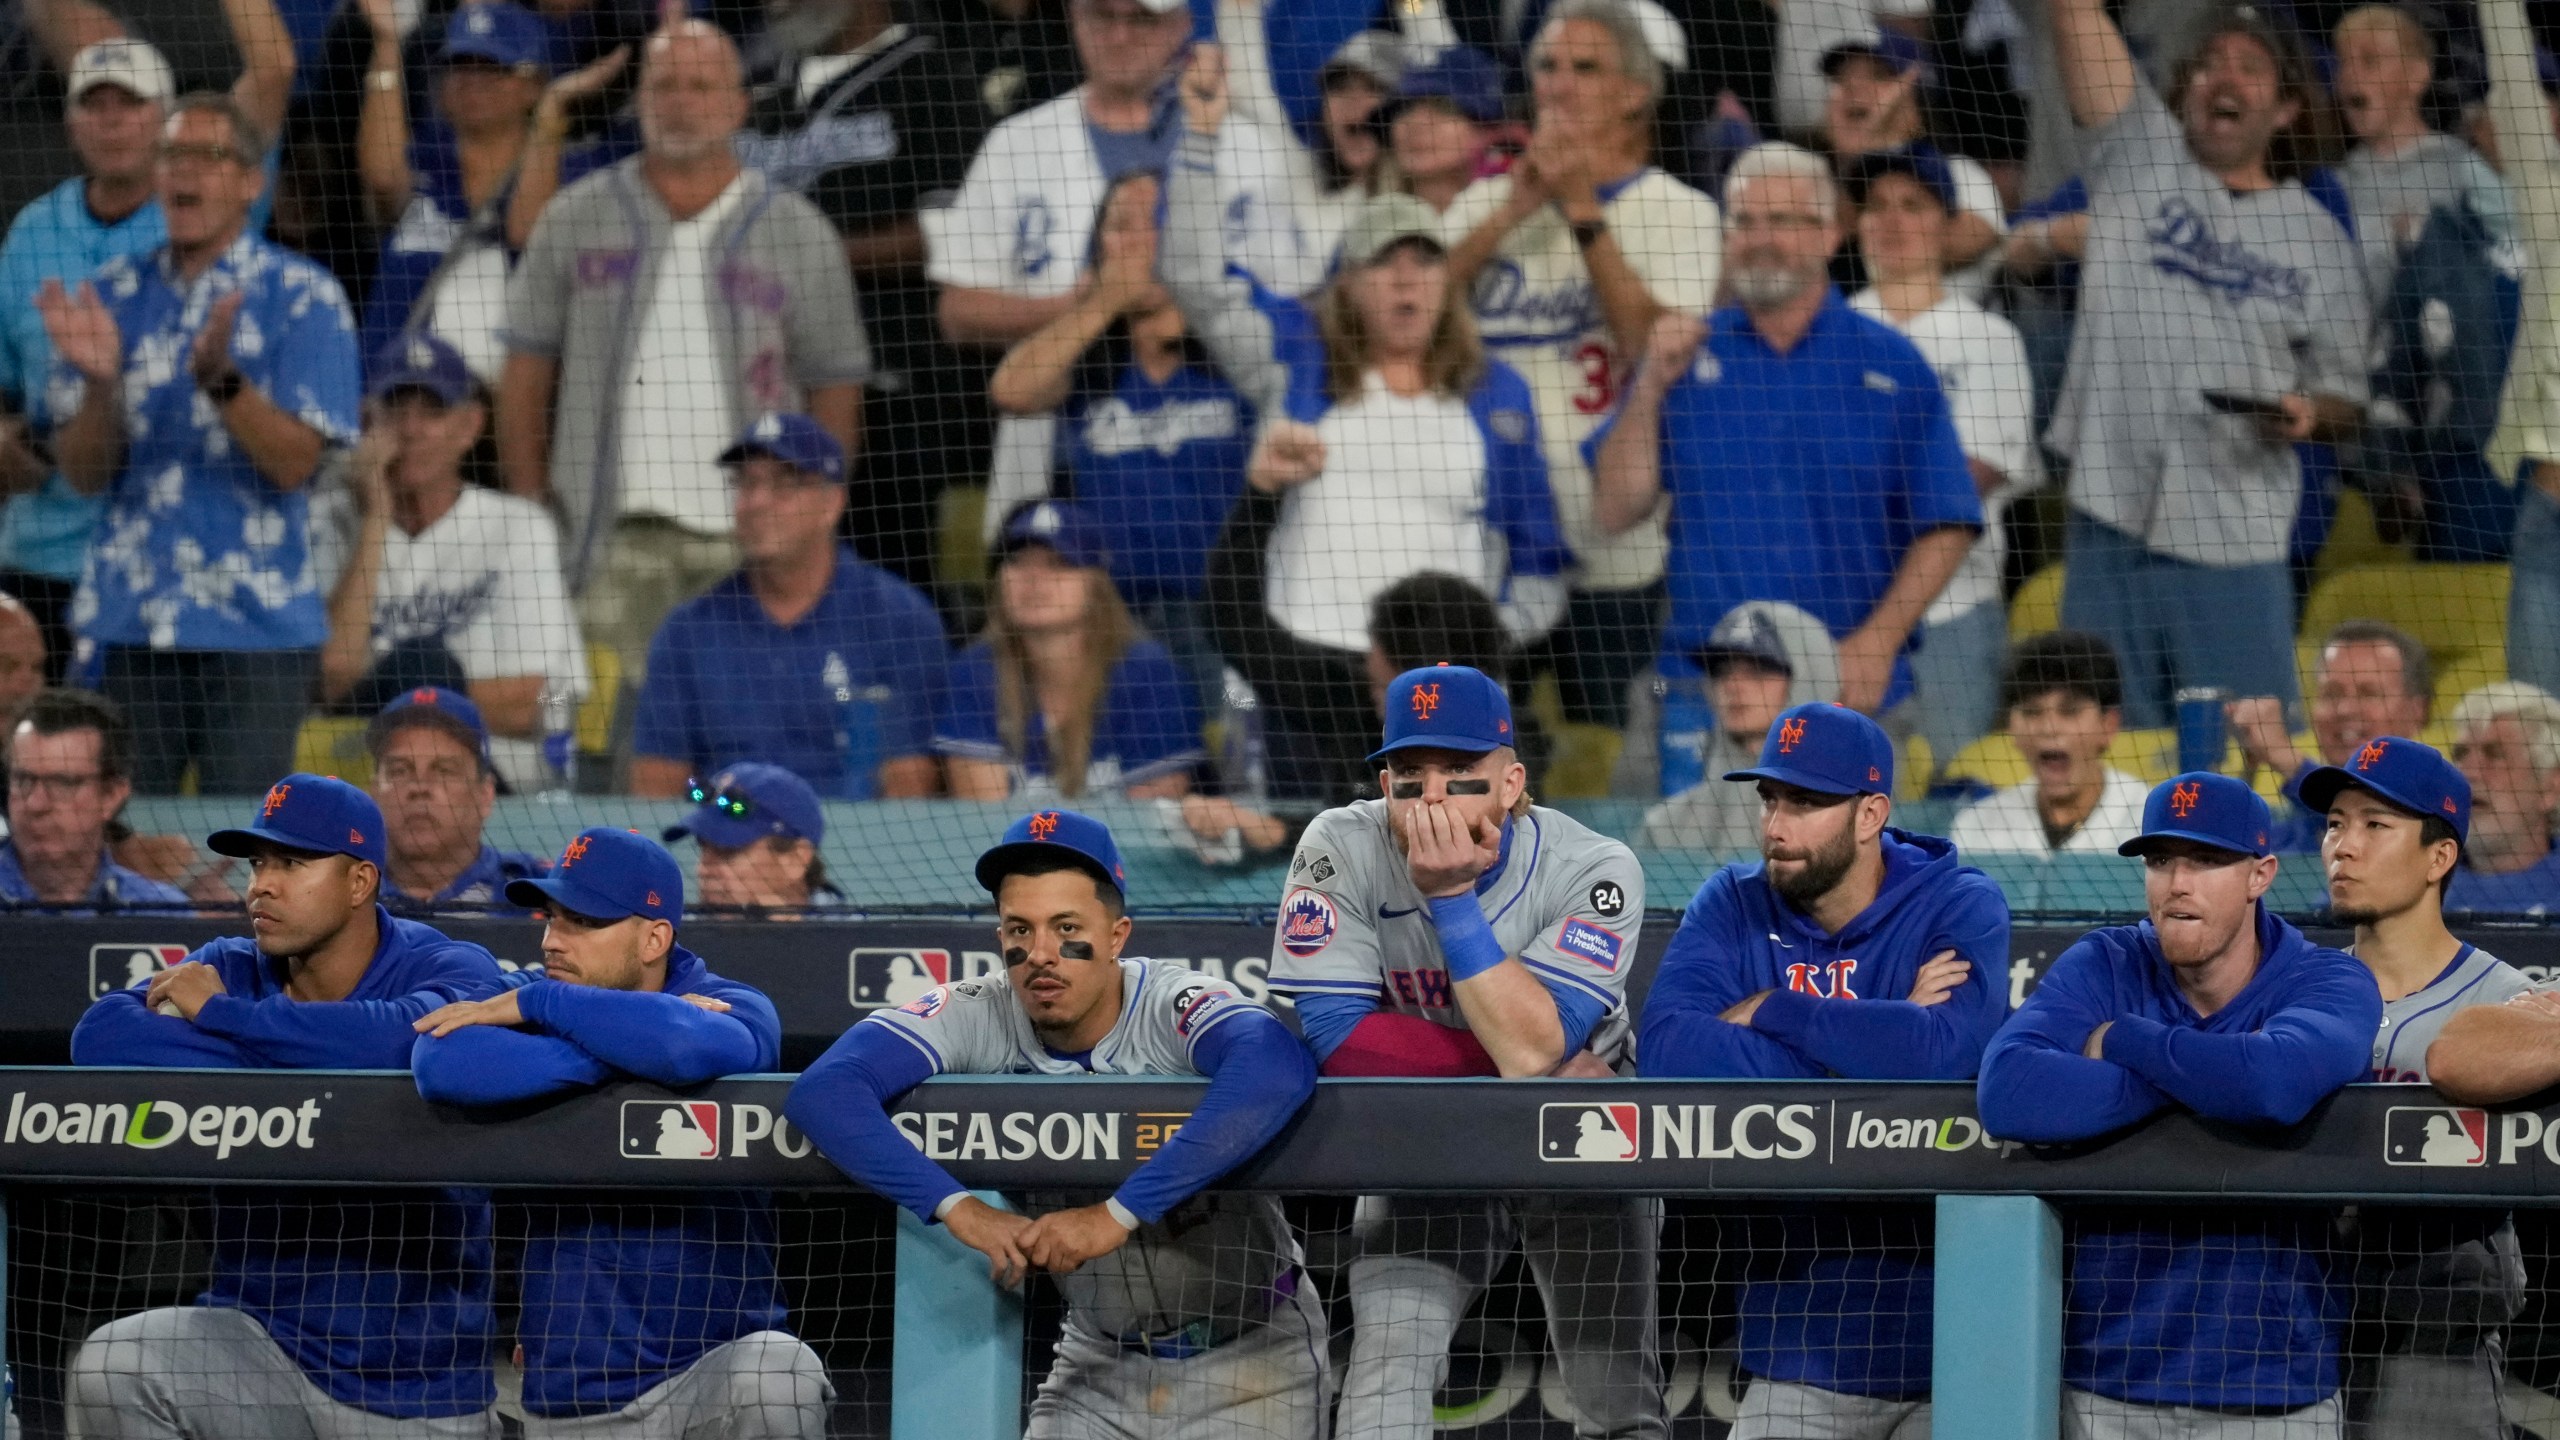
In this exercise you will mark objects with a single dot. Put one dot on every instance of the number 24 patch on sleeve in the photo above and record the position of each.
(1600, 947)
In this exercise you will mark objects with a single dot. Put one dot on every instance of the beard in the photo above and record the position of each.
(1760, 287)
(1822, 871)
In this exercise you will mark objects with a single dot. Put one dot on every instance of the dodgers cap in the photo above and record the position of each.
(608, 874)
(751, 801)
(1827, 748)
(1900, 53)
(2205, 809)
(1446, 707)
(420, 360)
(499, 32)
(321, 814)
(1920, 160)
(1049, 836)
(132, 65)
(2414, 776)
(795, 440)
(1461, 75)
(1060, 526)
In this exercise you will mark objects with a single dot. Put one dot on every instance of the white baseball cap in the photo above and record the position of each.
(1662, 34)
(128, 64)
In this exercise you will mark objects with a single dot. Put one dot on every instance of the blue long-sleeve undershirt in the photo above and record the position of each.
(119, 1031)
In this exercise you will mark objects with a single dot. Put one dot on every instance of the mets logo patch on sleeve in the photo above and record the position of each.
(1307, 922)
(1600, 947)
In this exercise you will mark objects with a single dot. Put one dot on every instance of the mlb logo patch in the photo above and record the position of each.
(115, 965)
(670, 1130)
(1581, 1134)
(2438, 1136)
(884, 978)
(1588, 941)
(1307, 922)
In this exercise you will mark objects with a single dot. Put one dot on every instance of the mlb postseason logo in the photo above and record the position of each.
(2441, 1136)
(885, 978)
(670, 1130)
(1570, 1133)
(116, 965)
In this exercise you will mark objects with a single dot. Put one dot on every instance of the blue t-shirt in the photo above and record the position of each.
(198, 550)
(2533, 890)
(113, 888)
(727, 684)
(1146, 725)
(482, 882)
(1803, 477)
(1156, 468)
(1127, 152)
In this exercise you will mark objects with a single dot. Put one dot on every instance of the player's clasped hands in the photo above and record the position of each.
(1062, 1240)
(1444, 853)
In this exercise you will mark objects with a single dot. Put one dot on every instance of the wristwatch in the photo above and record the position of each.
(1587, 232)
(224, 388)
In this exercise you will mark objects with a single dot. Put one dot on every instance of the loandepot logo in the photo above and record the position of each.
(159, 1124)
(1953, 1132)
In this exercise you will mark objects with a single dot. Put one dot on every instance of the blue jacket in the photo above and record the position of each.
(381, 1297)
(624, 1292)
(1850, 1307)
(2225, 1308)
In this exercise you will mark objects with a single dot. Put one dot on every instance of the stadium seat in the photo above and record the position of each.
(2354, 541)
(962, 557)
(604, 692)
(334, 745)
(1992, 760)
(2454, 610)
(2037, 607)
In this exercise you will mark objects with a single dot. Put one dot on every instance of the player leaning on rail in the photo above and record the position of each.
(1453, 928)
(659, 1314)
(1186, 1314)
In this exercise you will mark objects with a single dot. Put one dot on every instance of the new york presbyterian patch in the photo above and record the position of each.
(1600, 947)
(1307, 922)
(928, 1004)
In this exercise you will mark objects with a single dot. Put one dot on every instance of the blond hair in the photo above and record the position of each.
(1109, 630)
(1452, 362)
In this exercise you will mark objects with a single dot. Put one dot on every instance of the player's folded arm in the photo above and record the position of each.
(657, 1036)
(120, 1030)
(2271, 1076)
(324, 1034)
(494, 1065)
(842, 1104)
(1680, 1034)
(2037, 1086)
(1894, 1039)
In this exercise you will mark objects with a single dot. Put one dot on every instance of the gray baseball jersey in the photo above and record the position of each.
(2411, 1023)
(2191, 287)
(1213, 1258)
(1567, 900)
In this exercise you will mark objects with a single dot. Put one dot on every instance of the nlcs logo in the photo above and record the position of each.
(1570, 1133)
(1790, 735)
(670, 1129)
(2182, 799)
(1044, 826)
(1426, 700)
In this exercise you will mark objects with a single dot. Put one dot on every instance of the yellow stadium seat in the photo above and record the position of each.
(1991, 760)
(2037, 607)
(604, 693)
(2355, 541)
(2150, 754)
(962, 555)
(2459, 675)
(334, 745)
(1915, 769)
(2454, 610)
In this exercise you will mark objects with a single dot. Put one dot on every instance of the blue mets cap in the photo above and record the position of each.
(1446, 707)
(1826, 748)
(751, 801)
(608, 874)
(448, 710)
(1899, 52)
(2416, 777)
(795, 440)
(321, 814)
(1058, 524)
(1920, 160)
(1460, 75)
(499, 32)
(2206, 809)
(1047, 836)
(420, 361)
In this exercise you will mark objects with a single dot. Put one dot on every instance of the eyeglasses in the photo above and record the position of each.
(434, 772)
(23, 783)
(727, 802)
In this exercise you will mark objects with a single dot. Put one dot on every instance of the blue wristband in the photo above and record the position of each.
(1467, 945)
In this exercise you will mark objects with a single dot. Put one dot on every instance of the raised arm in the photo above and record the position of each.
(382, 126)
(2098, 74)
(265, 86)
(1626, 455)
(2490, 1054)
(348, 653)
(1191, 255)
(2270, 1076)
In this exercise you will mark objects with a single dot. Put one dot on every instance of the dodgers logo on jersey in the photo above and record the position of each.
(1031, 227)
(1307, 922)
(2437, 1136)
(670, 1130)
(1571, 1134)
(1590, 942)
(884, 977)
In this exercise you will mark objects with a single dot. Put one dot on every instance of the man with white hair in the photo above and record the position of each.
(1572, 256)
(2507, 744)
(1807, 451)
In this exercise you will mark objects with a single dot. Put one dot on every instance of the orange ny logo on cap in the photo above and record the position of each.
(275, 800)
(1790, 735)
(1426, 700)
(2182, 799)
(576, 852)
(1044, 826)
(423, 695)
(2371, 752)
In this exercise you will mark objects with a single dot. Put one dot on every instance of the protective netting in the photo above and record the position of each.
(1365, 336)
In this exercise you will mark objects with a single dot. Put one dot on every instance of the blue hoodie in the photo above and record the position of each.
(624, 1292)
(1850, 1309)
(2217, 1308)
(380, 1296)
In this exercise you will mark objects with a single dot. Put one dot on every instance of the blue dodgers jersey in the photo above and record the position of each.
(1157, 467)
(1851, 1307)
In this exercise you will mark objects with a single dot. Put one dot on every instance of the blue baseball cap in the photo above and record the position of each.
(2207, 809)
(1920, 160)
(1899, 52)
(2546, 68)
(1446, 707)
(1463, 76)
(795, 440)
(321, 814)
(1827, 748)
(608, 874)
(751, 801)
(2414, 776)
(1058, 524)
(1050, 835)
(499, 32)
(447, 710)
(420, 360)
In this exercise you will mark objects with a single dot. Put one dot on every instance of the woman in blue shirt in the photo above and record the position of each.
(1064, 695)
(1152, 439)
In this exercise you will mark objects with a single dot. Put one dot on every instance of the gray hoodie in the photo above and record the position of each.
(1722, 815)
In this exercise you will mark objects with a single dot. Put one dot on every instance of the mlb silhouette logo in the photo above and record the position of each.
(1571, 1134)
(2441, 1136)
(112, 967)
(670, 1130)
(884, 979)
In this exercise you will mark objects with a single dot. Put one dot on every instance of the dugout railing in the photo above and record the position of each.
(958, 1349)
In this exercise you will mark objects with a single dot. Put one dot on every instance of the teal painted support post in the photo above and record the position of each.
(955, 1369)
(1998, 1339)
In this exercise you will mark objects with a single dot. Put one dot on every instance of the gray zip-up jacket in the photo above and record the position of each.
(786, 322)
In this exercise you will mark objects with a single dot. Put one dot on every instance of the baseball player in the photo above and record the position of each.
(1852, 949)
(2206, 1325)
(330, 1313)
(2440, 1281)
(1186, 1314)
(1453, 928)
(656, 1316)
